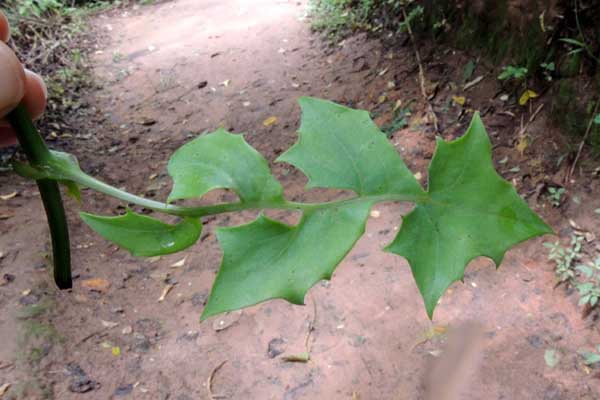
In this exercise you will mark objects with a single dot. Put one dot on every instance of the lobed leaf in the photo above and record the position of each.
(267, 259)
(144, 236)
(342, 148)
(221, 160)
(471, 212)
(467, 211)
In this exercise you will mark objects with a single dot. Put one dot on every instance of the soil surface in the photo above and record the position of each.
(169, 72)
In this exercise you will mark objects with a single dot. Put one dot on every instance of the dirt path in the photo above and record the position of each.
(174, 70)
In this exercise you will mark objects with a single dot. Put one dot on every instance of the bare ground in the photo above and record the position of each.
(169, 72)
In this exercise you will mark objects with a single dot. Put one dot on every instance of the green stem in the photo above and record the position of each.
(38, 154)
(88, 181)
(40, 157)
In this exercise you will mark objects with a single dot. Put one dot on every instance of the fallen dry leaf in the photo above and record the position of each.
(96, 284)
(165, 292)
(8, 196)
(299, 358)
(526, 96)
(460, 100)
(522, 144)
(109, 324)
(270, 121)
(179, 263)
(431, 333)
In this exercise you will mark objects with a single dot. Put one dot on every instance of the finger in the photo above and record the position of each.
(12, 80)
(35, 94)
(4, 30)
(35, 102)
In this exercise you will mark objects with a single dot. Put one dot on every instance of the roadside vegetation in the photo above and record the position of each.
(52, 38)
(555, 49)
(550, 52)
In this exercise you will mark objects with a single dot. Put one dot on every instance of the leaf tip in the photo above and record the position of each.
(205, 315)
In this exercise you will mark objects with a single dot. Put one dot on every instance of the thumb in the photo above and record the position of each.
(12, 80)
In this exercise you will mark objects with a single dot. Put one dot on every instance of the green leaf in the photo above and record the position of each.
(221, 160)
(266, 259)
(585, 287)
(468, 70)
(585, 270)
(597, 119)
(471, 211)
(342, 148)
(572, 42)
(590, 357)
(144, 236)
(584, 299)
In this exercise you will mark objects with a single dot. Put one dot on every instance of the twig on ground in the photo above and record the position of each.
(100, 333)
(311, 327)
(211, 395)
(421, 72)
(585, 136)
(524, 128)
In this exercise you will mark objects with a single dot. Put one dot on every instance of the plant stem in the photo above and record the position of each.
(85, 180)
(37, 153)
(40, 157)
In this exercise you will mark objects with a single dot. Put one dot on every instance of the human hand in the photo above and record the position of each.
(16, 85)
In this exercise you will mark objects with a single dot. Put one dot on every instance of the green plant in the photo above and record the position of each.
(338, 17)
(581, 45)
(555, 195)
(548, 69)
(38, 7)
(512, 72)
(467, 211)
(399, 120)
(591, 357)
(589, 290)
(565, 257)
(414, 14)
